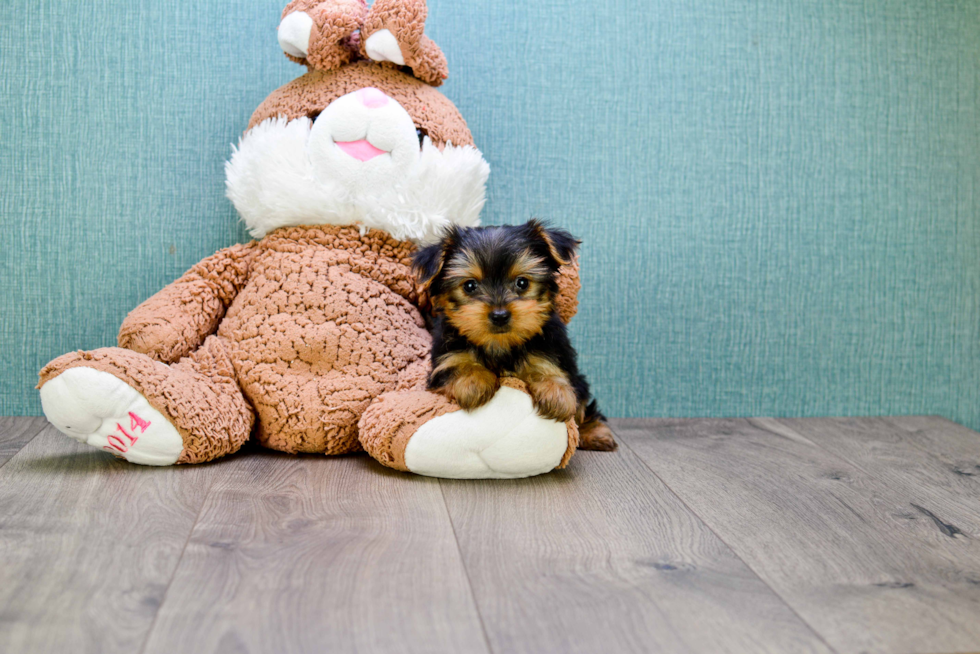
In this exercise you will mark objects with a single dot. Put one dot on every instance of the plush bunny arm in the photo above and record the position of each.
(568, 287)
(175, 321)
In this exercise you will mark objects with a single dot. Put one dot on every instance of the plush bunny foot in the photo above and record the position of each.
(146, 411)
(504, 439)
(99, 409)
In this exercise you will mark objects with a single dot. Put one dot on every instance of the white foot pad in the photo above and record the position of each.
(101, 410)
(503, 439)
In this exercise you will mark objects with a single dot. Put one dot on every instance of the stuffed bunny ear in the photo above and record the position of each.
(394, 32)
(322, 35)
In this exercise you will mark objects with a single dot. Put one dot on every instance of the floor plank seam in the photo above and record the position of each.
(680, 499)
(40, 429)
(173, 575)
(466, 570)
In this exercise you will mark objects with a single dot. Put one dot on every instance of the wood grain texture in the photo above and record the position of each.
(309, 554)
(602, 557)
(88, 545)
(905, 455)
(15, 432)
(759, 535)
(956, 447)
(841, 545)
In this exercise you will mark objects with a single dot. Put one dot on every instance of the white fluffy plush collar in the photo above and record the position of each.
(271, 182)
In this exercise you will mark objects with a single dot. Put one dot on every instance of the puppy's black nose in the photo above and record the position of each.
(500, 317)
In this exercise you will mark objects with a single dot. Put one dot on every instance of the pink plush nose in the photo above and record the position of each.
(372, 98)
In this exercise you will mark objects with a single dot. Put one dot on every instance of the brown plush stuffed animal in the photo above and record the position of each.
(310, 337)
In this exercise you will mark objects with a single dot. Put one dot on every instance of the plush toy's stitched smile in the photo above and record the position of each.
(360, 150)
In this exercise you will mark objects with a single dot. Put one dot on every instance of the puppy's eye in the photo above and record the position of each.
(422, 133)
(522, 283)
(469, 286)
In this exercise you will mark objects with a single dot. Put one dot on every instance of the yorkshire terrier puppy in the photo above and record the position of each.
(492, 293)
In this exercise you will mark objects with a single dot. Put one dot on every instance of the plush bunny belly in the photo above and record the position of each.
(325, 324)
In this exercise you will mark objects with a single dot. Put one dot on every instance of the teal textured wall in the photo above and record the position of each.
(779, 199)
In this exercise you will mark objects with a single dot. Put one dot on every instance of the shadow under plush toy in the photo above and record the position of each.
(310, 336)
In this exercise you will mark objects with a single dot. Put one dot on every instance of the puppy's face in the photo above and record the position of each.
(496, 285)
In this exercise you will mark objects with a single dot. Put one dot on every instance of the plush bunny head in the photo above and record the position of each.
(363, 138)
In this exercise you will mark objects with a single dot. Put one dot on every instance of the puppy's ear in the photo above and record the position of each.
(561, 245)
(427, 263)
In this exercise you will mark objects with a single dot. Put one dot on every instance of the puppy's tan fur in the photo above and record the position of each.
(550, 389)
(471, 384)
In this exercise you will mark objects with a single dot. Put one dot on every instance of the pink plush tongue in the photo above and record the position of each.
(360, 150)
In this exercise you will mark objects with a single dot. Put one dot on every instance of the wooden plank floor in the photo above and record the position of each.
(760, 535)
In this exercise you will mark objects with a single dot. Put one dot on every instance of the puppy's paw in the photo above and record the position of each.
(473, 388)
(596, 435)
(554, 399)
